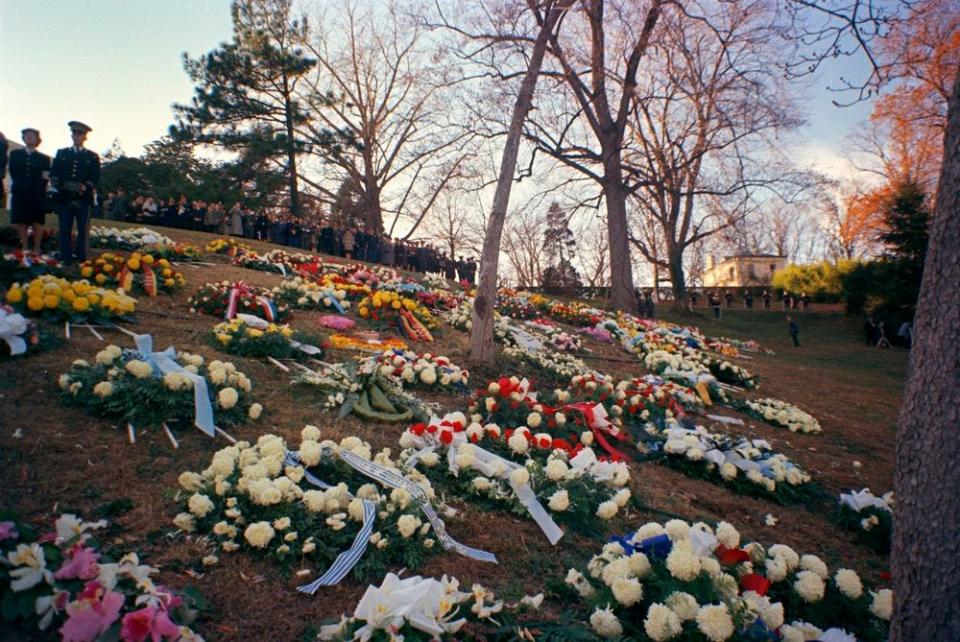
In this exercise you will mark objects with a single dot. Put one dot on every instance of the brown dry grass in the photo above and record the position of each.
(69, 461)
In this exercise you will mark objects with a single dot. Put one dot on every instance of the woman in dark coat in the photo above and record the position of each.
(29, 174)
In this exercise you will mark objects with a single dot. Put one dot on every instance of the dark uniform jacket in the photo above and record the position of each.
(72, 166)
(26, 171)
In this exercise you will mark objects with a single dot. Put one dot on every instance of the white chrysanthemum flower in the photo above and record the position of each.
(776, 569)
(408, 525)
(728, 535)
(185, 522)
(518, 443)
(849, 583)
(103, 389)
(199, 504)
(788, 554)
(809, 586)
(814, 564)
(559, 501)
(255, 411)
(627, 590)
(227, 398)
(714, 622)
(310, 433)
(661, 623)
(520, 477)
(556, 469)
(682, 563)
(607, 509)
(259, 534)
(605, 623)
(683, 605)
(882, 604)
(677, 529)
(310, 452)
(190, 481)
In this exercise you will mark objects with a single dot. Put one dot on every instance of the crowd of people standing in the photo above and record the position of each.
(309, 232)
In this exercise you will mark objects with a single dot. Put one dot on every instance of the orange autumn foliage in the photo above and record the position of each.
(922, 55)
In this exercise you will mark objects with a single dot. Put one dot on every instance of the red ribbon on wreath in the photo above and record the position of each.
(596, 416)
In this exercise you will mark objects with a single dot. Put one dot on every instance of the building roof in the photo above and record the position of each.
(754, 256)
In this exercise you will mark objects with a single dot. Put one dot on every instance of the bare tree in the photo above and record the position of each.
(482, 348)
(523, 246)
(703, 126)
(389, 90)
(594, 255)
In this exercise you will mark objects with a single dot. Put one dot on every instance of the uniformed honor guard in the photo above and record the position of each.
(75, 175)
(29, 173)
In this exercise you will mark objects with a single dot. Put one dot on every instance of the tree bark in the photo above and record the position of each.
(926, 536)
(621, 268)
(677, 276)
(482, 347)
(291, 150)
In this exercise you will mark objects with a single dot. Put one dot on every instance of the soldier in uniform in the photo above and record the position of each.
(75, 175)
(29, 173)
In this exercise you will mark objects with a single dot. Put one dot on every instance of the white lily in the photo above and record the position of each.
(30, 567)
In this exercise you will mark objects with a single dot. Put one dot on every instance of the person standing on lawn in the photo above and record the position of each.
(75, 175)
(794, 331)
(29, 173)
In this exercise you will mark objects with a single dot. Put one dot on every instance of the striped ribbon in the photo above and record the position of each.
(164, 363)
(346, 560)
(394, 480)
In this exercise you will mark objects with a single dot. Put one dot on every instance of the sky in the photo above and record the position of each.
(117, 66)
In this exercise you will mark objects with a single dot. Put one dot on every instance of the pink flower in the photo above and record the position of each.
(335, 322)
(149, 621)
(81, 565)
(94, 610)
(8, 530)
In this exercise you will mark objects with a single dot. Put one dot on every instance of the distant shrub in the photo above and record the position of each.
(822, 282)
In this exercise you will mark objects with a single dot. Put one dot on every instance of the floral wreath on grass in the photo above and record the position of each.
(360, 388)
(124, 385)
(128, 239)
(138, 273)
(254, 498)
(19, 266)
(748, 466)
(869, 516)
(410, 369)
(226, 298)
(518, 468)
(244, 339)
(691, 582)
(229, 246)
(61, 579)
(780, 413)
(304, 294)
(182, 252)
(56, 299)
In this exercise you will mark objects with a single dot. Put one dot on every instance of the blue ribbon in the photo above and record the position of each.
(658, 546)
(164, 363)
(336, 301)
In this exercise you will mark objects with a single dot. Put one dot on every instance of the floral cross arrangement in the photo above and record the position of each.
(140, 272)
(57, 299)
(687, 581)
(62, 579)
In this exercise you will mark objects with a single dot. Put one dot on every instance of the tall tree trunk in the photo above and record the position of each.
(677, 277)
(291, 150)
(482, 348)
(926, 534)
(621, 269)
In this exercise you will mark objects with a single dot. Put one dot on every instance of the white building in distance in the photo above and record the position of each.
(742, 270)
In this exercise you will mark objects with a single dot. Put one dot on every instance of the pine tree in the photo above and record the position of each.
(560, 248)
(246, 96)
(907, 225)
